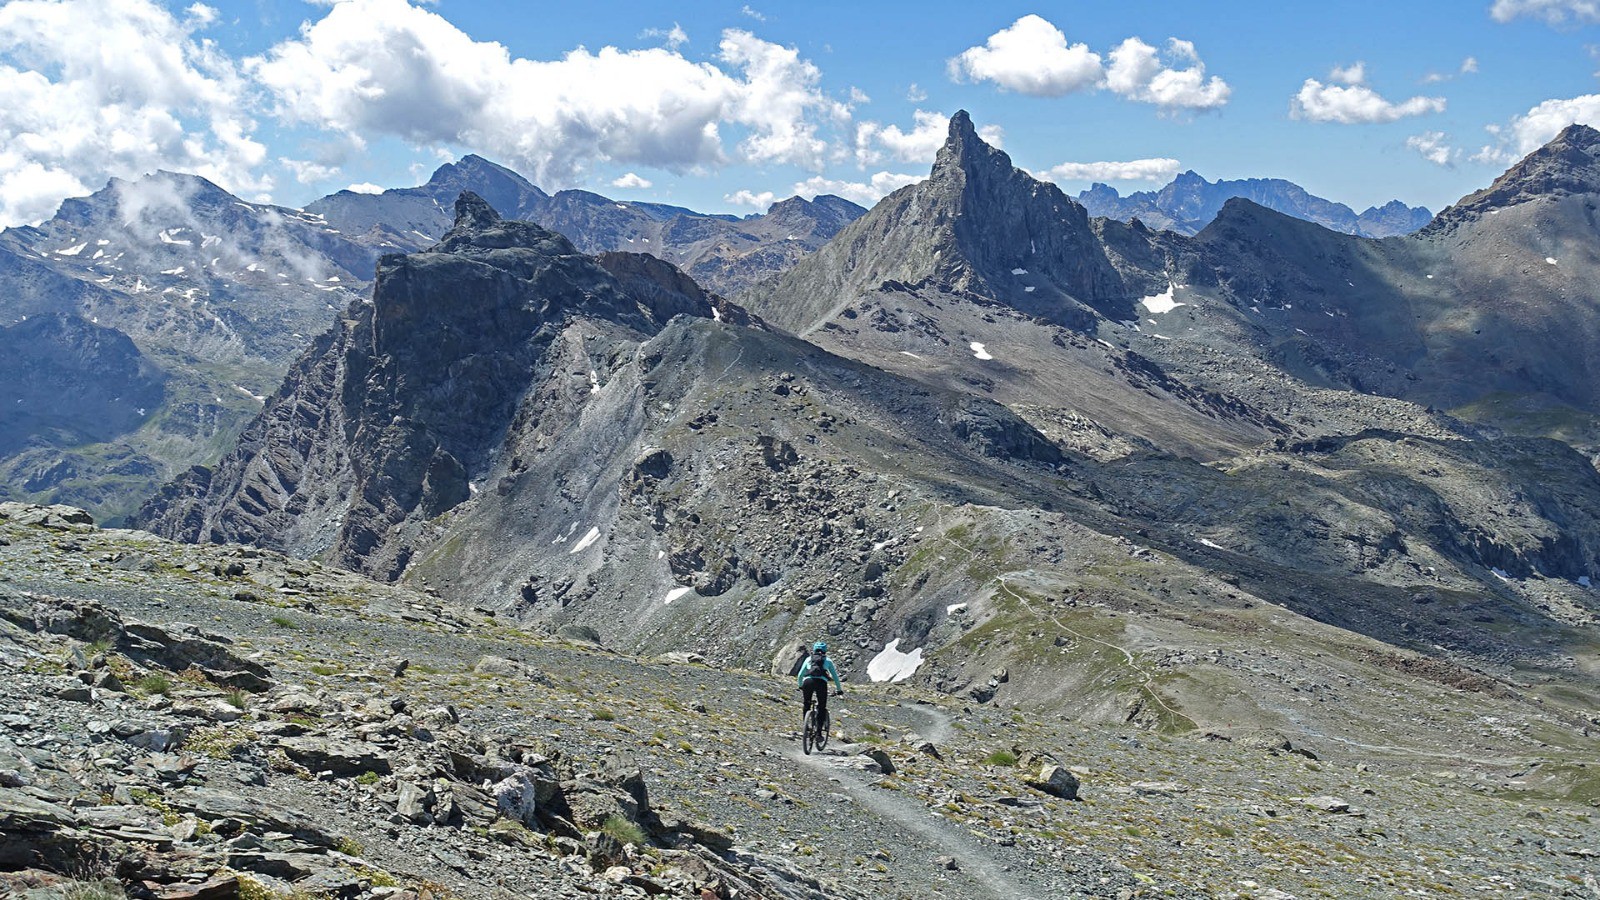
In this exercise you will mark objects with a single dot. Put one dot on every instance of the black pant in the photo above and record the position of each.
(818, 688)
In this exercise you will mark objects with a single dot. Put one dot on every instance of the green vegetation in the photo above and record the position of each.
(152, 684)
(283, 622)
(324, 669)
(623, 830)
(1000, 758)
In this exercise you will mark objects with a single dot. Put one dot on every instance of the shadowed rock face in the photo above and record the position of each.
(382, 421)
(70, 382)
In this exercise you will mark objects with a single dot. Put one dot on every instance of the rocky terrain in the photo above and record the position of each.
(195, 721)
(1189, 203)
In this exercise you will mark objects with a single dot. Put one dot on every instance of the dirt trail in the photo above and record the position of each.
(976, 864)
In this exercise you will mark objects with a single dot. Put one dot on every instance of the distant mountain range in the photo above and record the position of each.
(725, 253)
(1190, 203)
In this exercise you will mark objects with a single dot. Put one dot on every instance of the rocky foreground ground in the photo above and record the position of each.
(212, 723)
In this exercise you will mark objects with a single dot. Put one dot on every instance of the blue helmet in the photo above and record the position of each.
(820, 645)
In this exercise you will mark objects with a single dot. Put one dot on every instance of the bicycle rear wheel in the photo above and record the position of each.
(822, 734)
(808, 731)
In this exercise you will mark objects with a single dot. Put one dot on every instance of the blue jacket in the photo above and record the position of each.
(827, 671)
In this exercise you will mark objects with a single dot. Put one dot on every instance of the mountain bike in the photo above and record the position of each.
(814, 731)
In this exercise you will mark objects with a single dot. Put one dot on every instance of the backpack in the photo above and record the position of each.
(817, 665)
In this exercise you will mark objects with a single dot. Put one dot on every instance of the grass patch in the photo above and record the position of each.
(602, 714)
(152, 684)
(283, 622)
(623, 830)
(324, 670)
(1000, 758)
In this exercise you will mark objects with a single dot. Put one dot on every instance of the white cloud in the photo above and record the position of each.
(915, 94)
(306, 171)
(1155, 169)
(865, 193)
(673, 37)
(858, 96)
(632, 181)
(874, 141)
(1030, 57)
(754, 14)
(365, 187)
(1355, 102)
(78, 112)
(1434, 147)
(1555, 12)
(1468, 67)
(760, 200)
(1138, 73)
(1535, 128)
(1352, 74)
(388, 68)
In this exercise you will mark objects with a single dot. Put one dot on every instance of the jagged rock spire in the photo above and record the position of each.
(474, 212)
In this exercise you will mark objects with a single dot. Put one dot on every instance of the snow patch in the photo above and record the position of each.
(1028, 289)
(590, 537)
(892, 665)
(1162, 302)
(594, 382)
(910, 354)
(979, 351)
(716, 314)
(74, 250)
(1430, 276)
(177, 271)
(954, 608)
(1501, 574)
(1550, 259)
(1213, 546)
(1583, 580)
(167, 238)
(675, 593)
(246, 391)
(1019, 271)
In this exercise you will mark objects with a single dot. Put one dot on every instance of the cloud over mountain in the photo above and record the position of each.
(387, 68)
(78, 112)
(1032, 56)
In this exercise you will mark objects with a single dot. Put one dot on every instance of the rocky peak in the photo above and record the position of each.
(473, 211)
(964, 151)
(1568, 164)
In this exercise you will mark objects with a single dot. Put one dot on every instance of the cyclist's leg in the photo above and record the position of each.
(808, 691)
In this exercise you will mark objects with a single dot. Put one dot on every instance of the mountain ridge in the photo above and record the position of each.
(1189, 203)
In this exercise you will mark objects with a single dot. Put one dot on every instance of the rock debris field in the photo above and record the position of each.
(205, 723)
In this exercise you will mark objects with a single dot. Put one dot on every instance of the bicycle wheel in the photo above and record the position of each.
(808, 731)
(822, 734)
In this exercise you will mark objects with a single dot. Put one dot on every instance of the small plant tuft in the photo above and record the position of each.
(283, 622)
(624, 831)
(1000, 758)
(152, 684)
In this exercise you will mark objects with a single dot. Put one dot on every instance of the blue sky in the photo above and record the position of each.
(726, 106)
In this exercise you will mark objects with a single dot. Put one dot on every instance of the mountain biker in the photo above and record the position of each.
(814, 673)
